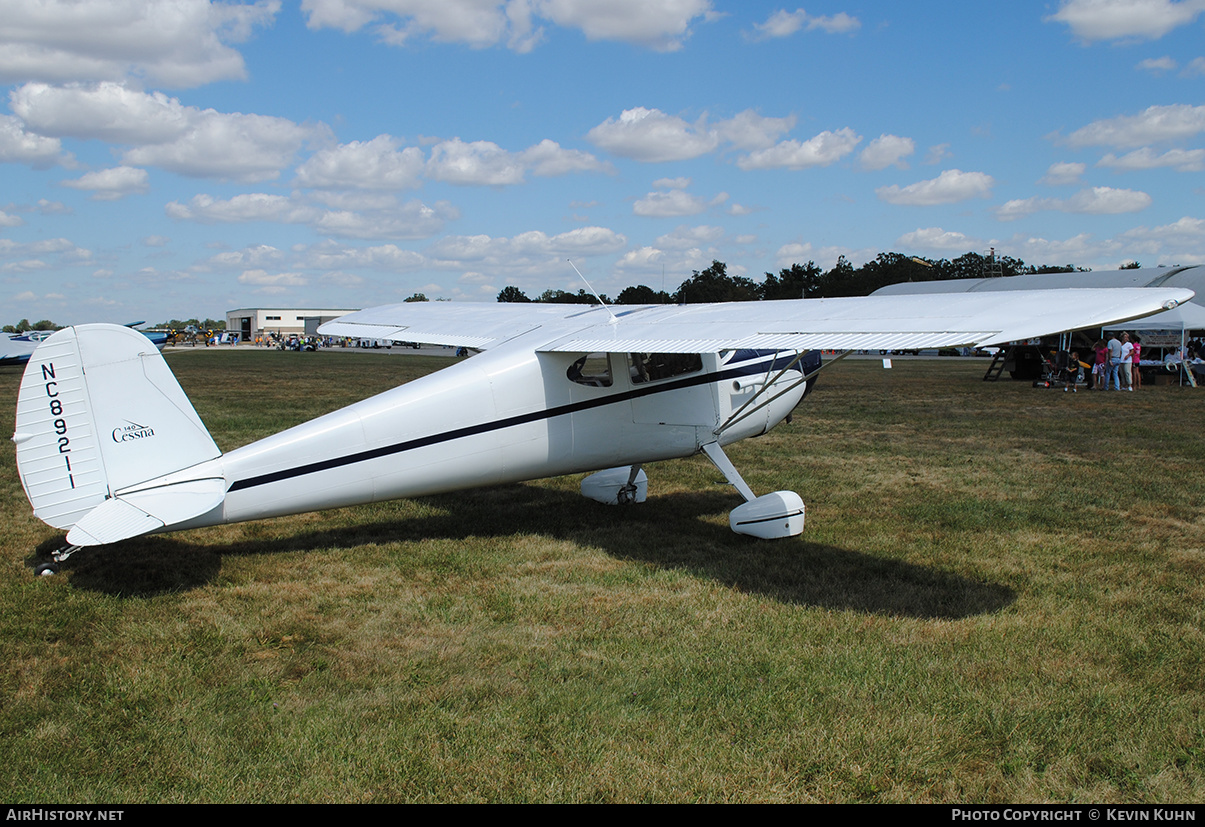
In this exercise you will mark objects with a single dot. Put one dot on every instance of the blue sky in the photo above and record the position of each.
(177, 158)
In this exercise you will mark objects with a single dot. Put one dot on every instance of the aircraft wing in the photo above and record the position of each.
(858, 323)
(469, 324)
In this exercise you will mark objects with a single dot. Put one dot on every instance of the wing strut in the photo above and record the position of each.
(720, 460)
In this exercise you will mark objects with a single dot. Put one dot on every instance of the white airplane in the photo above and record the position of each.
(109, 447)
(16, 348)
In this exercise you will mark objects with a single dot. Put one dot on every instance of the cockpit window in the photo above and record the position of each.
(651, 367)
(593, 369)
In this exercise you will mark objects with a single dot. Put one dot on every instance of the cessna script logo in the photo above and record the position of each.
(131, 432)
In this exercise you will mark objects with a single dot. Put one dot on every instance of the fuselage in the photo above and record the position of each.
(504, 415)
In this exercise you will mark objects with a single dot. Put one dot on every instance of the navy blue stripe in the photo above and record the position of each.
(496, 425)
(770, 519)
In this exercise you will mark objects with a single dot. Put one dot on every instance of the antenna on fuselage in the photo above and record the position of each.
(592, 291)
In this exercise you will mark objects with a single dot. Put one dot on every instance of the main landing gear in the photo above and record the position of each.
(768, 517)
(617, 486)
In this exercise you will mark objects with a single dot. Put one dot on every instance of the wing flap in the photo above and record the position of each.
(883, 340)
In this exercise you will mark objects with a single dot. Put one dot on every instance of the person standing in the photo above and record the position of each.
(1113, 382)
(1136, 370)
(1100, 365)
(1127, 362)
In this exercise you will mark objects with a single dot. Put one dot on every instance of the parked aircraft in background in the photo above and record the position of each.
(109, 447)
(16, 348)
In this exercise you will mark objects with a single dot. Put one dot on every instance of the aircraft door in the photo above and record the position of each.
(670, 388)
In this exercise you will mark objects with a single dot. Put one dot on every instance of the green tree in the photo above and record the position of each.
(794, 282)
(417, 297)
(552, 296)
(510, 293)
(642, 294)
(715, 285)
(836, 282)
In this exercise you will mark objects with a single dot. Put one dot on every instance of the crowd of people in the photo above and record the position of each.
(1116, 364)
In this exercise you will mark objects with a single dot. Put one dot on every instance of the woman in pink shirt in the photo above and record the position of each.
(1135, 373)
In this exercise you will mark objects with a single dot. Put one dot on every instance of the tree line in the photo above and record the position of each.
(806, 281)
(24, 326)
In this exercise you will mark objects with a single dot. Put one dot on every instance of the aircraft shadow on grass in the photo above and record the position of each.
(681, 530)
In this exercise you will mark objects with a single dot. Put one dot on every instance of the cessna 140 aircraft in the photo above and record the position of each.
(109, 447)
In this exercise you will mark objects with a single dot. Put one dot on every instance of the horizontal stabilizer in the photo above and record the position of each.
(141, 512)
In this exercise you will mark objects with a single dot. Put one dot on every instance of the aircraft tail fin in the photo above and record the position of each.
(101, 421)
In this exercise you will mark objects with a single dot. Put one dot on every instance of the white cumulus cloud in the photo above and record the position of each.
(20, 146)
(177, 43)
(685, 238)
(1063, 172)
(262, 278)
(111, 184)
(484, 163)
(1182, 238)
(163, 132)
(749, 130)
(550, 159)
(935, 238)
(651, 135)
(950, 187)
(783, 23)
(375, 164)
(886, 150)
(1181, 160)
(662, 26)
(1091, 201)
(819, 151)
(668, 203)
(411, 220)
(1158, 65)
(1126, 19)
(1152, 125)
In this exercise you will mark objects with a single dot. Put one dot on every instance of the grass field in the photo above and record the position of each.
(998, 597)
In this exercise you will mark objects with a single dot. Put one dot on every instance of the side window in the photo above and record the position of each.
(650, 367)
(593, 369)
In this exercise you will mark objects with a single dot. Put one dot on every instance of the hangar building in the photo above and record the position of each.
(286, 321)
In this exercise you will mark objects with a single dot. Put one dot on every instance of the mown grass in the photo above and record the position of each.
(998, 597)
